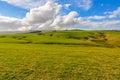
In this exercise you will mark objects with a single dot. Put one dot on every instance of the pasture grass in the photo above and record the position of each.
(42, 56)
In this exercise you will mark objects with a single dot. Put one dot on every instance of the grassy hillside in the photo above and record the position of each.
(60, 55)
(73, 37)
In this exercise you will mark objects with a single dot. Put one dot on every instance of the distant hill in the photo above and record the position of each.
(108, 38)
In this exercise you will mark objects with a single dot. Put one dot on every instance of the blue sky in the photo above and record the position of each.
(93, 12)
(98, 7)
(11, 10)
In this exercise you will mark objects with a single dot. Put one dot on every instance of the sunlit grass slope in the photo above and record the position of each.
(73, 37)
(60, 55)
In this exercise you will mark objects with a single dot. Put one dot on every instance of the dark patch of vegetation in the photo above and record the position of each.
(2, 36)
(35, 31)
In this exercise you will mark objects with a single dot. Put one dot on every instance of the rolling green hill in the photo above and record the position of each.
(60, 55)
(73, 37)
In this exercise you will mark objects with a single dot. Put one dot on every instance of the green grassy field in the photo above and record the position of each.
(60, 55)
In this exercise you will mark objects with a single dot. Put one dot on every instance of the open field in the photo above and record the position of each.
(60, 55)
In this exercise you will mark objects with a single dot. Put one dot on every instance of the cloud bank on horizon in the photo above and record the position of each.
(60, 15)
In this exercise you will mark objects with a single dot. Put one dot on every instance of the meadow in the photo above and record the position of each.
(60, 55)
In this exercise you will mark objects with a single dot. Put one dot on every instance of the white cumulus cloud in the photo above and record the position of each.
(67, 21)
(47, 17)
(85, 4)
(96, 17)
(114, 14)
(43, 14)
(7, 23)
(28, 4)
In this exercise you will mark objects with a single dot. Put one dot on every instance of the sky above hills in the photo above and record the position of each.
(18, 15)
